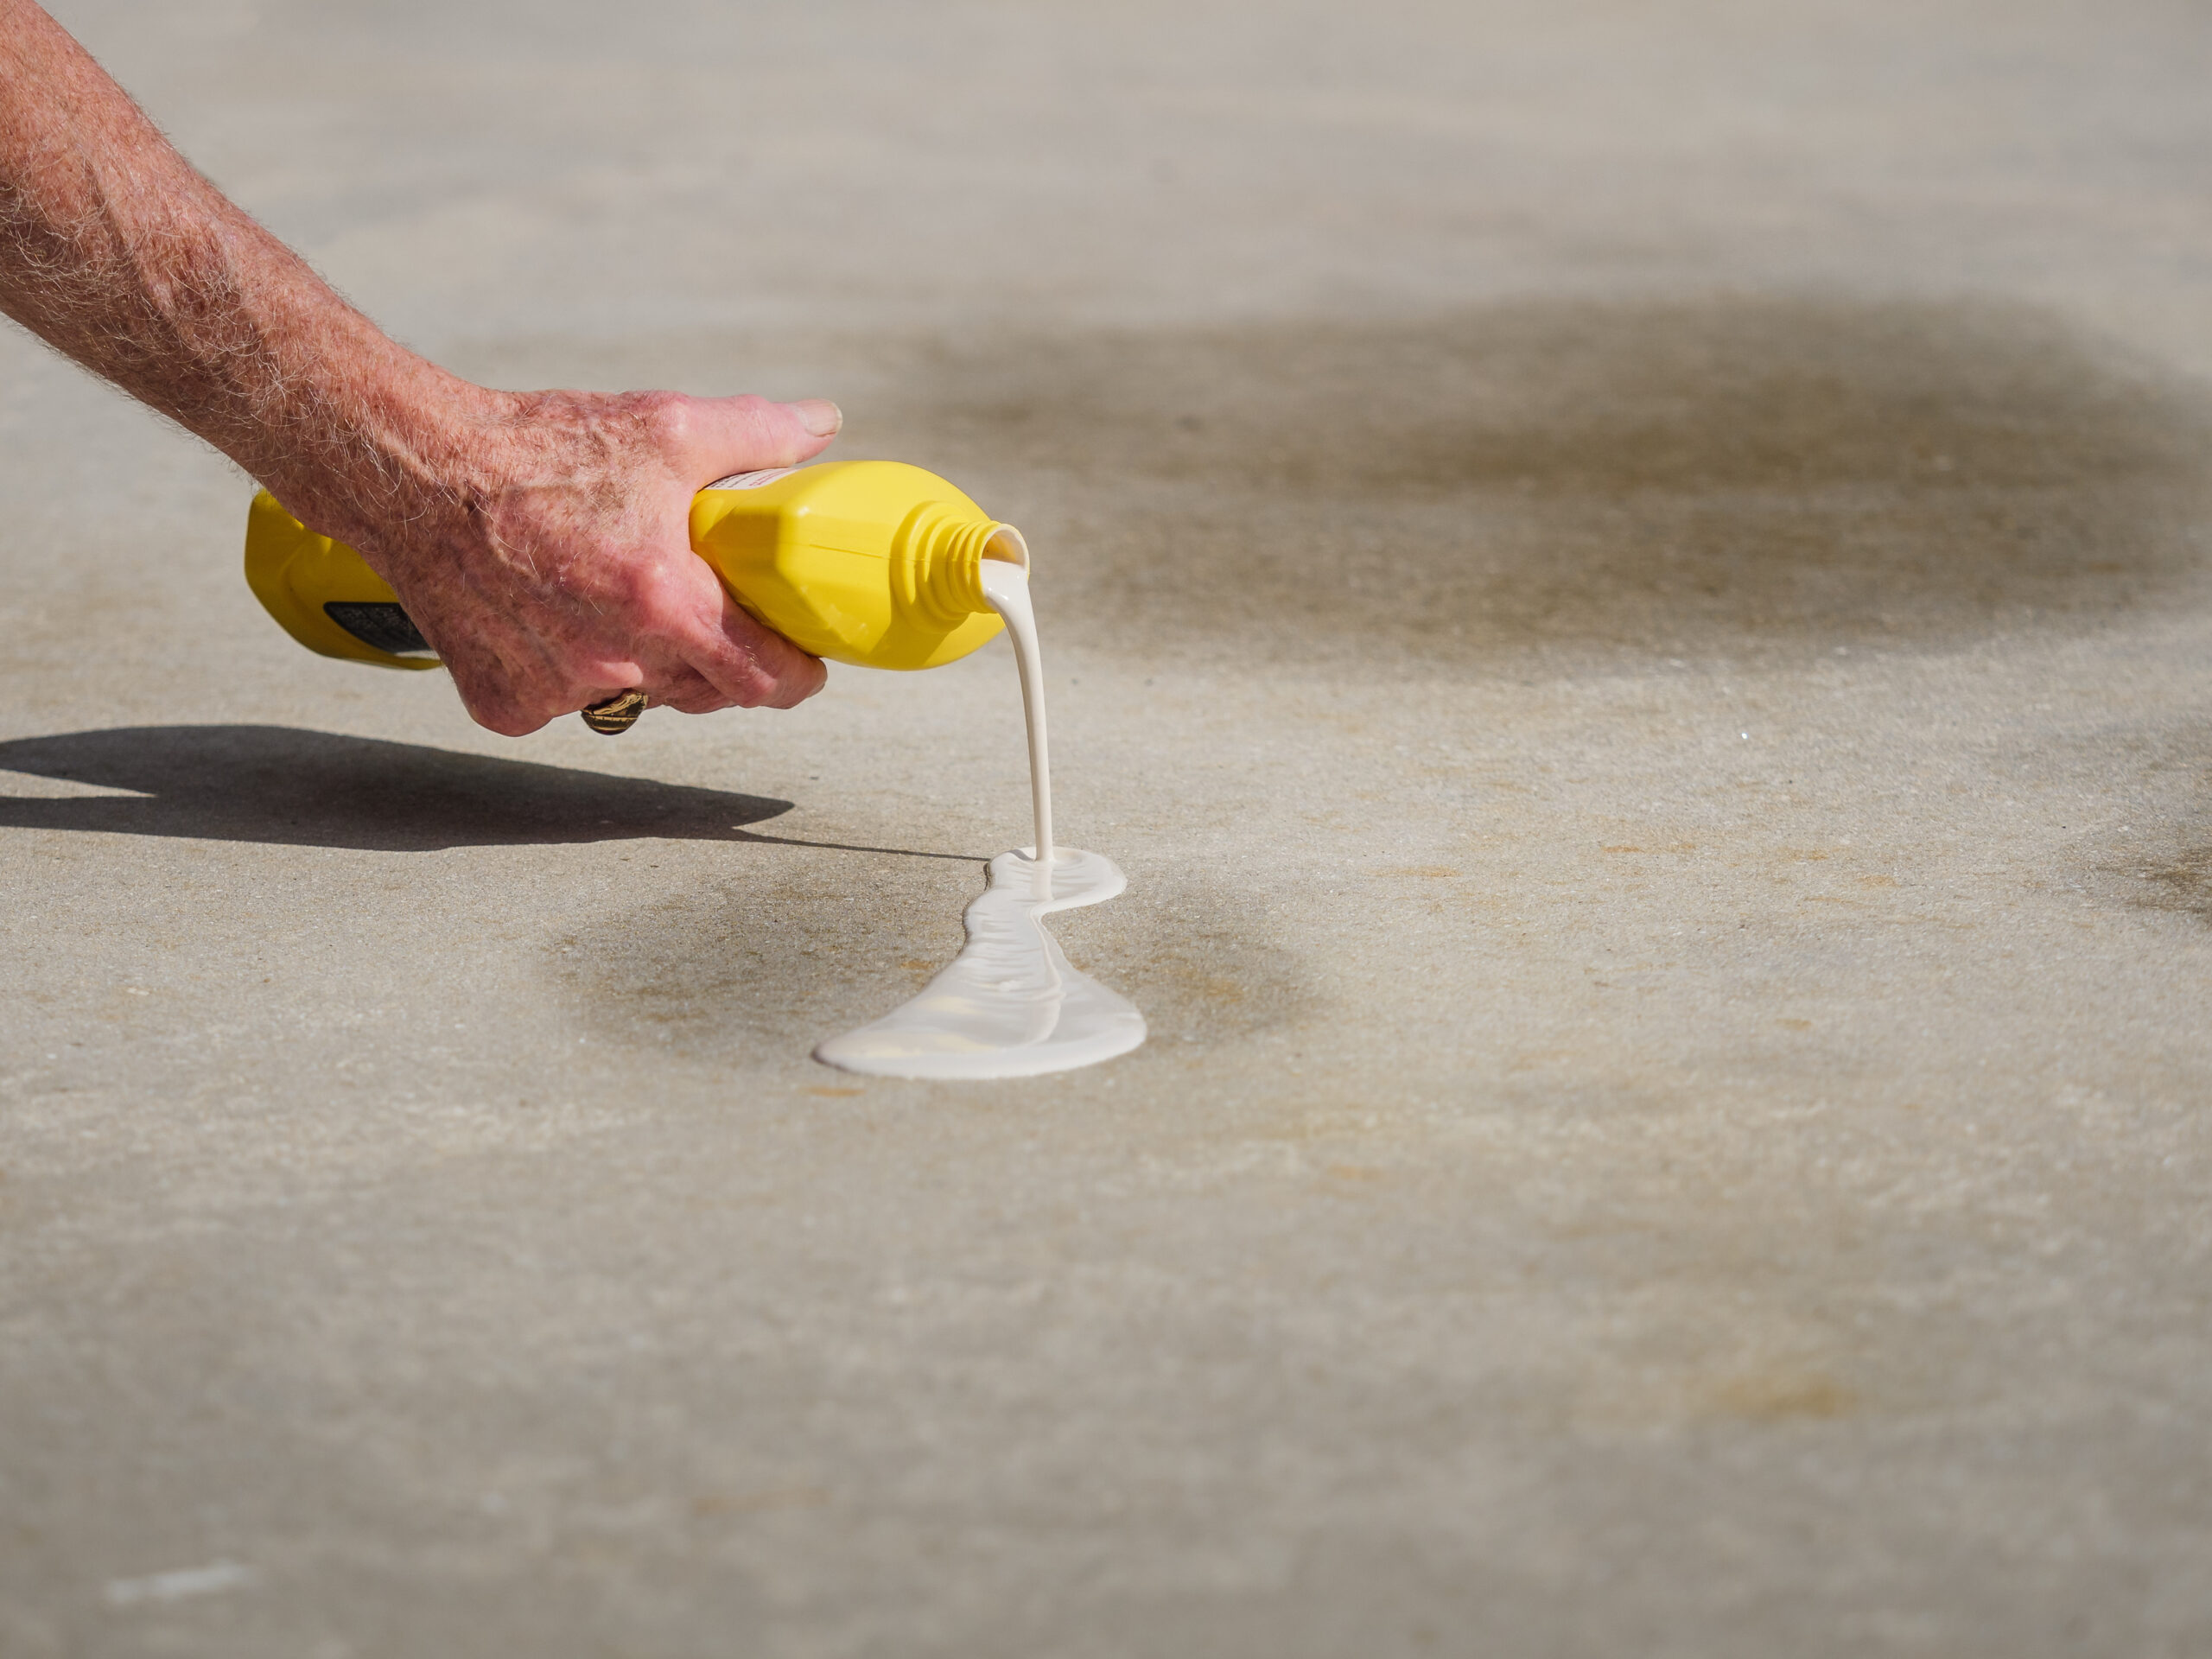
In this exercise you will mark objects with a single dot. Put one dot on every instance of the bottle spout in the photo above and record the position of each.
(938, 564)
(1007, 544)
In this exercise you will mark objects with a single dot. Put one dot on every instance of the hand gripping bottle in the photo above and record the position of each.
(871, 562)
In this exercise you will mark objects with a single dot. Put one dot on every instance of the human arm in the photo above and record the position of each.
(539, 540)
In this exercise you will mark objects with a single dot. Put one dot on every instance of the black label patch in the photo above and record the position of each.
(385, 628)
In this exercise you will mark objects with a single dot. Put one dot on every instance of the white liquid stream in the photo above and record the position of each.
(1006, 586)
(1008, 1005)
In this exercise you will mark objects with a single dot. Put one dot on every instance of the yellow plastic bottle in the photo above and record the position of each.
(871, 563)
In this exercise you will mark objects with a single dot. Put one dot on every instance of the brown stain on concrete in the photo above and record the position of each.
(2179, 881)
(2161, 769)
(1200, 958)
(1674, 477)
(794, 947)
(1627, 1390)
(1690, 476)
(800, 946)
(1779, 1396)
(708, 1505)
(1353, 1175)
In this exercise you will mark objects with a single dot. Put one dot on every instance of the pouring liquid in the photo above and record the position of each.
(1006, 586)
(1009, 1005)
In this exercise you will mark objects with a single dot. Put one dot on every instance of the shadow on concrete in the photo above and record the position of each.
(1688, 476)
(282, 785)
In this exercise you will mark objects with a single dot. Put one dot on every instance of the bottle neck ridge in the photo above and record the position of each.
(936, 561)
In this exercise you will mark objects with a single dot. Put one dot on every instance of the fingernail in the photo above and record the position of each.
(820, 416)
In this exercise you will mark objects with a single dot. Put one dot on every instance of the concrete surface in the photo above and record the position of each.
(1629, 584)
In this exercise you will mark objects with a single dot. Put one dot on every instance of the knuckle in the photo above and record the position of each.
(647, 594)
(631, 585)
(749, 685)
(666, 416)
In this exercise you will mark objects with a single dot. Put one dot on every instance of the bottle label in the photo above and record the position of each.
(752, 480)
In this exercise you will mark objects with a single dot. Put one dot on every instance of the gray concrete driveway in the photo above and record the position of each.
(1629, 585)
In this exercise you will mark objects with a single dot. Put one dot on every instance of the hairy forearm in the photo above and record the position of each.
(539, 540)
(117, 253)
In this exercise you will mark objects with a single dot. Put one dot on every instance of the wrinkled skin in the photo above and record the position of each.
(563, 573)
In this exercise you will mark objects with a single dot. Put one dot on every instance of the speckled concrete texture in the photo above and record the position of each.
(1629, 585)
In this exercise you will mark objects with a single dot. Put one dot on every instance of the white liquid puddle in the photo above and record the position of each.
(1008, 1005)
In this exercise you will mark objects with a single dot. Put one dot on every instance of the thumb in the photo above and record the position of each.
(723, 435)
